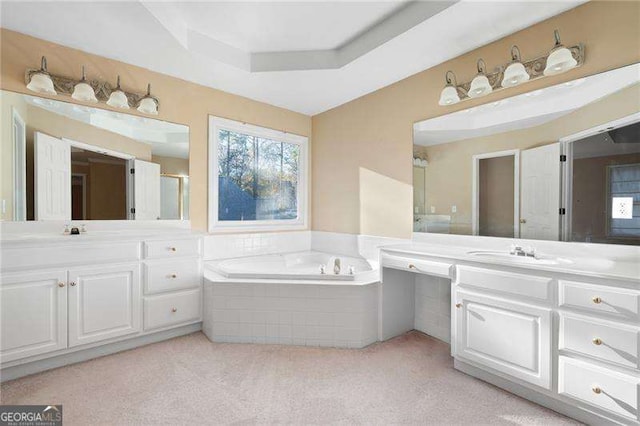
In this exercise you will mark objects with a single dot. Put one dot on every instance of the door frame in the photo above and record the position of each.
(475, 191)
(19, 166)
(566, 174)
(84, 192)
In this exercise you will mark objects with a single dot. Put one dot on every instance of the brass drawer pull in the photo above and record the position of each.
(597, 341)
(60, 284)
(597, 300)
(174, 310)
(458, 305)
(597, 390)
(412, 266)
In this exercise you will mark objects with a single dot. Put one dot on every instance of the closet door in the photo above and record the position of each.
(52, 164)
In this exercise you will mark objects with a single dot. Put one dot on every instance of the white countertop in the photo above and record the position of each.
(8, 240)
(625, 269)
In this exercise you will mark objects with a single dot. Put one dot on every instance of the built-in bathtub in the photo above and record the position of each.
(285, 299)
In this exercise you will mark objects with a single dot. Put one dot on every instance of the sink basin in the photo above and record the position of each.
(507, 257)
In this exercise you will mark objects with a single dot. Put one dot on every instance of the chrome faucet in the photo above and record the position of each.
(336, 266)
(517, 250)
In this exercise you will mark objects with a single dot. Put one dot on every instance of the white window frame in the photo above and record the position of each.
(215, 225)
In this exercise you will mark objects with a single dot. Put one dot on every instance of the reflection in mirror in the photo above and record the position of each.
(62, 161)
(559, 163)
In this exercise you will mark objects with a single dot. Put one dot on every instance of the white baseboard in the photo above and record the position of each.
(34, 367)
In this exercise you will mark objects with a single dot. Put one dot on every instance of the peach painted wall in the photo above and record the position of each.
(180, 101)
(362, 150)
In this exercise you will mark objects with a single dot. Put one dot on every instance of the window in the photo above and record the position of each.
(257, 179)
(624, 196)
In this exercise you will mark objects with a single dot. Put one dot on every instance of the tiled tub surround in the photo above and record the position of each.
(299, 313)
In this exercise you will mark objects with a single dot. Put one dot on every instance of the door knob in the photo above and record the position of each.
(523, 220)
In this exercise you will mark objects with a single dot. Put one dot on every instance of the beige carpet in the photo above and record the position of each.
(189, 380)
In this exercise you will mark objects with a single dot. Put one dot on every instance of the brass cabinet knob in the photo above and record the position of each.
(60, 284)
(523, 220)
(596, 389)
(412, 266)
(173, 276)
(174, 309)
(72, 284)
(172, 248)
(597, 341)
(458, 305)
(597, 300)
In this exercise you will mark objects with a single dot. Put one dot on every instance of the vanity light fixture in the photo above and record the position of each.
(40, 81)
(560, 58)
(117, 98)
(148, 104)
(515, 73)
(449, 95)
(480, 84)
(83, 91)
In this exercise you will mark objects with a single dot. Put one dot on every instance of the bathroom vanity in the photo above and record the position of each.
(563, 332)
(67, 298)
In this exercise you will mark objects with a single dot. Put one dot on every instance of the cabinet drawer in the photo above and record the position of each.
(441, 269)
(604, 388)
(172, 308)
(505, 282)
(617, 302)
(608, 341)
(170, 275)
(171, 248)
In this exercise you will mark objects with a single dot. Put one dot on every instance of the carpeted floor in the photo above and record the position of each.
(189, 380)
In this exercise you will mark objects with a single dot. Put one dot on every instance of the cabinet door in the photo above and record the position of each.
(512, 338)
(33, 310)
(104, 302)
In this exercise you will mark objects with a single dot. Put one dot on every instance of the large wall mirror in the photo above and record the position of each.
(63, 161)
(559, 163)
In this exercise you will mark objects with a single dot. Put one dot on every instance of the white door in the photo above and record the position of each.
(33, 309)
(52, 164)
(513, 338)
(540, 193)
(104, 302)
(146, 190)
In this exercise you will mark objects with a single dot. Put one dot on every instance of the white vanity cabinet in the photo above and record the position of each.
(104, 302)
(33, 309)
(511, 337)
(94, 296)
(560, 336)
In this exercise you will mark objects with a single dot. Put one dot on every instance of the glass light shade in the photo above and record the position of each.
(479, 86)
(514, 74)
(84, 92)
(560, 60)
(41, 83)
(148, 105)
(449, 96)
(118, 99)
